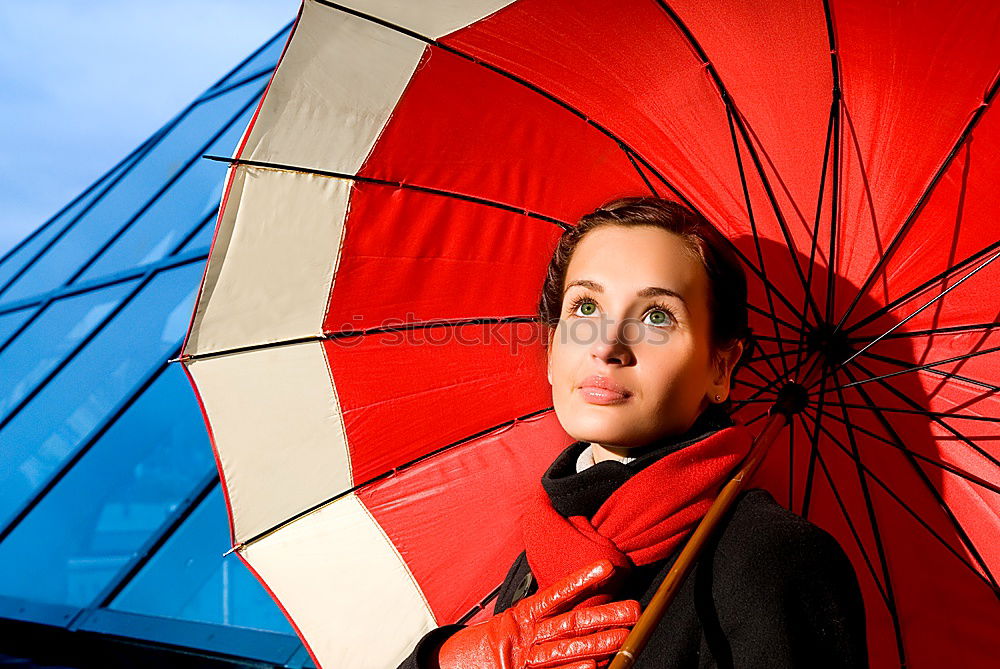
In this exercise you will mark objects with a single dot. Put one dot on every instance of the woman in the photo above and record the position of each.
(647, 321)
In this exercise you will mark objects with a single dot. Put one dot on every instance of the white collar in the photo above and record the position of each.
(586, 459)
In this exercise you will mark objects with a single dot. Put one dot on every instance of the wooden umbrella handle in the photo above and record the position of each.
(651, 617)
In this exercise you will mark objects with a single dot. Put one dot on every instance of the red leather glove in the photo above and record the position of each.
(542, 631)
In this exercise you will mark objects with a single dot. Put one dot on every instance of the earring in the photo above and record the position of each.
(717, 398)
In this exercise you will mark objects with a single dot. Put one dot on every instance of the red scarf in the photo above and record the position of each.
(645, 520)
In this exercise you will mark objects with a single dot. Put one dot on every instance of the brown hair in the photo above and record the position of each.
(727, 283)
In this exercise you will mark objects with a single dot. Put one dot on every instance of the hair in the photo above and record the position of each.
(727, 283)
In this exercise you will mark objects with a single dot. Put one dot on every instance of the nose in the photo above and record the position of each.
(610, 346)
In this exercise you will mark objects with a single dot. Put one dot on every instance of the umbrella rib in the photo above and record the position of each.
(741, 124)
(396, 184)
(480, 606)
(753, 369)
(925, 366)
(635, 165)
(938, 414)
(847, 518)
(922, 288)
(513, 77)
(939, 372)
(927, 333)
(391, 472)
(819, 210)
(762, 312)
(873, 522)
(835, 109)
(924, 196)
(345, 334)
(972, 478)
(552, 98)
(906, 507)
(791, 468)
(929, 303)
(764, 357)
(813, 452)
(770, 386)
(968, 442)
(756, 238)
(959, 529)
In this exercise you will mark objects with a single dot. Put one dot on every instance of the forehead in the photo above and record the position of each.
(633, 258)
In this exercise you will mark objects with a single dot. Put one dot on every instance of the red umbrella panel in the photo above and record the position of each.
(365, 345)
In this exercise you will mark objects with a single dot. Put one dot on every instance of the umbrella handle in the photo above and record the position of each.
(651, 617)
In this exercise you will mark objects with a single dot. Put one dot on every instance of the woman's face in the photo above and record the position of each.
(634, 317)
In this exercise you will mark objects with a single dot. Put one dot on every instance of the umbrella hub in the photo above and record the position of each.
(792, 399)
(831, 344)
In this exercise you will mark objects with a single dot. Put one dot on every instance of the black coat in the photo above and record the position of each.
(769, 591)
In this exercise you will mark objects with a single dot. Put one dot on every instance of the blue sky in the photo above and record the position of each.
(84, 82)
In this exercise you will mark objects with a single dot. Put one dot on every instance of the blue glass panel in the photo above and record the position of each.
(161, 228)
(67, 550)
(185, 141)
(56, 331)
(267, 58)
(10, 322)
(188, 578)
(203, 239)
(51, 427)
(26, 253)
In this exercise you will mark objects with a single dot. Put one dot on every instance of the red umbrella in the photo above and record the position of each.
(364, 343)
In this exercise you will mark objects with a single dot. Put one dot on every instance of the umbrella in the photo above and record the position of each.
(364, 345)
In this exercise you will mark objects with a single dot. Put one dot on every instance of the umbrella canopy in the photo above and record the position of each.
(364, 343)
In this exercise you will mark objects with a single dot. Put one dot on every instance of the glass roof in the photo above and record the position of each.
(110, 508)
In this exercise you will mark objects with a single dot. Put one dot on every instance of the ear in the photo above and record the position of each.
(724, 363)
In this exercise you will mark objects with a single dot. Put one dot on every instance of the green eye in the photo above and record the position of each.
(660, 316)
(587, 308)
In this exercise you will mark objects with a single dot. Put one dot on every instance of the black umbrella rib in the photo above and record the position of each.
(928, 365)
(344, 334)
(765, 314)
(916, 405)
(741, 124)
(937, 297)
(906, 507)
(929, 333)
(912, 217)
(631, 158)
(756, 239)
(873, 521)
(396, 184)
(835, 119)
(813, 452)
(770, 386)
(922, 287)
(561, 103)
(971, 478)
(922, 475)
(847, 518)
(876, 534)
(480, 606)
(928, 414)
(834, 107)
(938, 372)
(392, 472)
(515, 78)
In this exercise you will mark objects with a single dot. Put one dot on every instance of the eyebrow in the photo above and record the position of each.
(651, 291)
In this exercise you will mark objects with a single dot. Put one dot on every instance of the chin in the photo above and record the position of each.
(612, 431)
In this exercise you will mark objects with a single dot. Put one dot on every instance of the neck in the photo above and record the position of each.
(602, 452)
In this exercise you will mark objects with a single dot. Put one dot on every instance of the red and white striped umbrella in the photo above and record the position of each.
(364, 344)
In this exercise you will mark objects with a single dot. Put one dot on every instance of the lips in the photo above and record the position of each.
(602, 390)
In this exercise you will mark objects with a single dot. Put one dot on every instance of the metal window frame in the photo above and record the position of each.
(130, 162)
